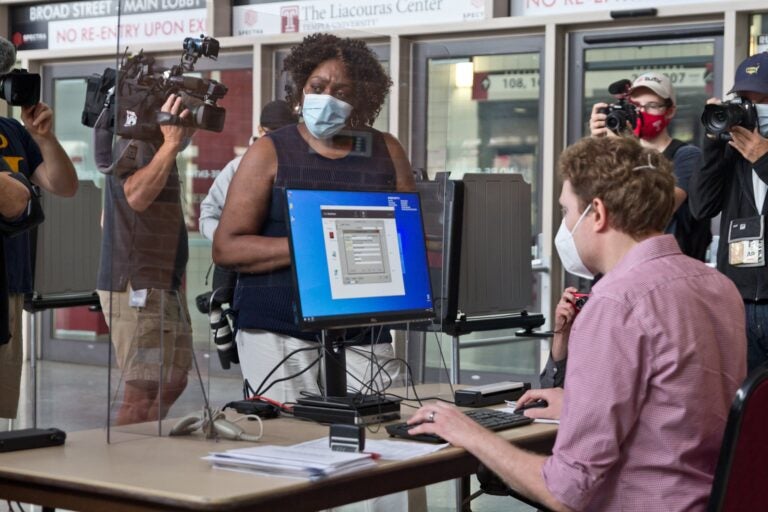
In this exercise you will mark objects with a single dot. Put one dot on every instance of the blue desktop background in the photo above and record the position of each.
(311, 269)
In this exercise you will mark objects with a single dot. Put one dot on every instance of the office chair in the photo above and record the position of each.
(490, 483)
(742, 468)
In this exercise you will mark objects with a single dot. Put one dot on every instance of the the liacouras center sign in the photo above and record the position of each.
(260, 17)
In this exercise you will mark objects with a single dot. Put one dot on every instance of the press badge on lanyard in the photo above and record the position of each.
(746, 243)
(138, 298)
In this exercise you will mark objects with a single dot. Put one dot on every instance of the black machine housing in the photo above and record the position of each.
(719, 119)
(135, 94)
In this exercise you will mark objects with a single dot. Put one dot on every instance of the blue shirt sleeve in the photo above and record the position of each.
(687, 160)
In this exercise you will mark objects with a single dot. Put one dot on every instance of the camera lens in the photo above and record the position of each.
(719, 119)
(616, 121)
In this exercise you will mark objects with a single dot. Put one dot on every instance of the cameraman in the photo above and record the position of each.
(33, 151)
(143, 257)
(733, 182)
(654, 98)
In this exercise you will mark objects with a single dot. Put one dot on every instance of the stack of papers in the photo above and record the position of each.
(384, 449)
(290, 461)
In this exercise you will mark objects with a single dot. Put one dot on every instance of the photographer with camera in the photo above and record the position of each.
(143, 257)
(274, 115)
(733, 182)
(645, 108)
(33, 151)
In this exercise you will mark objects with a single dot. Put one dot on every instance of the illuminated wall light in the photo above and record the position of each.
(465, 74)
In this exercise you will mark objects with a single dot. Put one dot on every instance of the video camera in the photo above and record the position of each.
(719, 119)
(134, 95)
(622, 112)
(20, 88)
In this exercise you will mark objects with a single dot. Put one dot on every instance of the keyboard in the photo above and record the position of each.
(489, 418)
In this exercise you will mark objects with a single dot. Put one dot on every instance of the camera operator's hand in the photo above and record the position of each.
(750, 144)
(565, 313)
(175, 135)
(38, 119)
(597, 121)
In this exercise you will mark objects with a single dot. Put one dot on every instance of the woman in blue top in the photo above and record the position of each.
(338, 87)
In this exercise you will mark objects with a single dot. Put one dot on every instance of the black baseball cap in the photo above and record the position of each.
(752, 75)
(277, 114)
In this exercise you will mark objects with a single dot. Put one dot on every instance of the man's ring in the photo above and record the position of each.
(431, 417)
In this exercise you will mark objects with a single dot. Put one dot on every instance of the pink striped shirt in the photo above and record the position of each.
(654, 361)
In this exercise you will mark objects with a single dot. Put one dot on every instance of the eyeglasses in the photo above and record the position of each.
(651, 106)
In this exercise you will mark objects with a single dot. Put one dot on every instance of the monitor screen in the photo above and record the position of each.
(359, 258)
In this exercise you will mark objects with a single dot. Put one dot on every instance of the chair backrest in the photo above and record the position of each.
(741, 476)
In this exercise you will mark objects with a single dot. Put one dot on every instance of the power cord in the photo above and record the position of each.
(445, 365)
(215, 424)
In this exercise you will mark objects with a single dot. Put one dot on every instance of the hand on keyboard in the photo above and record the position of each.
(454, 426)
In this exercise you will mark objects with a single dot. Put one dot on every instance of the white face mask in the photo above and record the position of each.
(761, 109)
(324, 116)
(566, 248)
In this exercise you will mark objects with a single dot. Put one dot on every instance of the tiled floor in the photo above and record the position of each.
(74, 397)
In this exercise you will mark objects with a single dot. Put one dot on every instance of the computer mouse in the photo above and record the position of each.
(531, 405)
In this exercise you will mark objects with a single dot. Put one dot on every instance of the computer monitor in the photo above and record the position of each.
(359, 258)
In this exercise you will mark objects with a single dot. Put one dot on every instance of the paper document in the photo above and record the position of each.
(290, 461)
(385, 449)
(511, 408)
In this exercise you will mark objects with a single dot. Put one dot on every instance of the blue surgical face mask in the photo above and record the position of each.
(324, 115)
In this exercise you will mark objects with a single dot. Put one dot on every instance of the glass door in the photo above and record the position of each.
(691, 57)
(476, 108)
(80, 335)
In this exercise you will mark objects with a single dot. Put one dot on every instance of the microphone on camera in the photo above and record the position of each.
(7, 56)
(619, 87)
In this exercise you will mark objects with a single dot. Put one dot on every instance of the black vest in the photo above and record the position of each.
(267, 301)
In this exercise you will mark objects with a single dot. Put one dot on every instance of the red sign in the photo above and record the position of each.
(480, 85)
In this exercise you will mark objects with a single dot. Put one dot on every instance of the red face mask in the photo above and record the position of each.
(649, 126)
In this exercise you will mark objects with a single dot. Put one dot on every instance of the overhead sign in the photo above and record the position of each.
(94, 23)
(538, 7)
(506, 85)
(261, 17)
(680, 77)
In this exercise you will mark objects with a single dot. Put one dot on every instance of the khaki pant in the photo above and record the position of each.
(150, 340)
(10, 360)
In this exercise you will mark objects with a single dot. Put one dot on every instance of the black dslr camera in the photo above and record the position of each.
(141, 87)
(221, 329)
(621, 113)
(20, 88)
(719, 119)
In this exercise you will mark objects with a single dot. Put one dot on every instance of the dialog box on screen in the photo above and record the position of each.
(362, 251)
